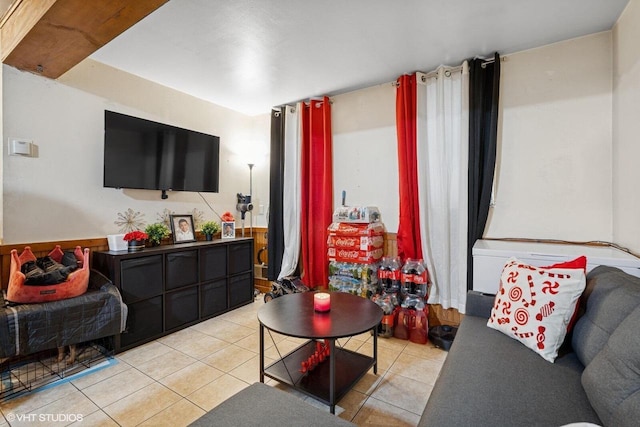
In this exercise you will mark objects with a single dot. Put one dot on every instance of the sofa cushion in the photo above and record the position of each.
(534, 305)
(489, 379)
(611, 295)
(479, 304)
(261, 405)
(612, 379)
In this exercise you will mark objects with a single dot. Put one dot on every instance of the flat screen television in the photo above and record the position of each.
(142, 154)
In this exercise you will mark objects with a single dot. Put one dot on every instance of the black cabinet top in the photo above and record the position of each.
(177, 247)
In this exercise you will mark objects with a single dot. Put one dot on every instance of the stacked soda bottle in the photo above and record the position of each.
(387, 298)
(385, 328)
(389, 275)
(414, 281)
(412, 321)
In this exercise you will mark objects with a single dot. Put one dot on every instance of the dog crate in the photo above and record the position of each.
(22, 374)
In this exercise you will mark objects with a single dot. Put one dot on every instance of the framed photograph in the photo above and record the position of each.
(182, 228)
(228, 230)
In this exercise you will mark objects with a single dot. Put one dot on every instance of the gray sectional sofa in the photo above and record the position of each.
(490, 379)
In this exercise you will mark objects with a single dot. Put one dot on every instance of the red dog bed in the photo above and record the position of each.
(75, 285)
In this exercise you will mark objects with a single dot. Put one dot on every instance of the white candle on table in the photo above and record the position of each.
(322, 301)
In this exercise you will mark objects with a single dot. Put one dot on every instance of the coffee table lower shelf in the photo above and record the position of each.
(350, 367)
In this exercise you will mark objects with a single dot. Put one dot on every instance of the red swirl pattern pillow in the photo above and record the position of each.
(534, 305)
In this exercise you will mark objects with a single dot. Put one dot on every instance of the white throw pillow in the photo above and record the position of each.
(534, 305)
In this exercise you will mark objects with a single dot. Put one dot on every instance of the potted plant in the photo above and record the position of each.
(157, 232)
(210, 228)
(135, 240)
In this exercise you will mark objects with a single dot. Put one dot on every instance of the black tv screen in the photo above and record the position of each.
(142, 154)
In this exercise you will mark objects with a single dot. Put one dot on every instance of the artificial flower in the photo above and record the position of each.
(136, 235)
(227, 217)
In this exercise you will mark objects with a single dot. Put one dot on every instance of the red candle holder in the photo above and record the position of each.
(322, 302)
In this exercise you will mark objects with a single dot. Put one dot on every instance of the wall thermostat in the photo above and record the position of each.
(20, 147)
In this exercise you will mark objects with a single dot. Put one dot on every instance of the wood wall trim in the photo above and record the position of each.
(49, 37)
(437, 315)
(64, 244)
(260, 240)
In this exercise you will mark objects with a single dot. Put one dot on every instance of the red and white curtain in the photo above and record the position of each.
(307, 204)
(433, 178)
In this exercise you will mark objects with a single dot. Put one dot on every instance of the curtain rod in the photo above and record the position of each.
(434, 73)
(491, 60)
(304, 101)
(282, 108)
(485, 62)
(452, 69)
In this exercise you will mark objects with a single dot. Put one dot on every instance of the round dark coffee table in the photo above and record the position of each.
(293, 315)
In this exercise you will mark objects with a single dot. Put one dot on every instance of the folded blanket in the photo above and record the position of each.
(29, 328)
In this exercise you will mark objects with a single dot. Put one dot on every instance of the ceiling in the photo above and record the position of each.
(250, 55)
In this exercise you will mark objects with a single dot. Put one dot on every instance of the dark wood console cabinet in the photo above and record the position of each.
(167, 288)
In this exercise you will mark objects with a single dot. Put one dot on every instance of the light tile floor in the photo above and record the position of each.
(174, 380)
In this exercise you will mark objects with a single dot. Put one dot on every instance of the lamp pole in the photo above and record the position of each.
(251, 165)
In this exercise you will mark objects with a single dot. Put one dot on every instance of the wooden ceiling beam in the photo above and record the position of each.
(49, 37)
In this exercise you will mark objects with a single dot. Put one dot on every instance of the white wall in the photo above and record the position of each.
(554, 177)
(58, 195)
(555, 154)
(626, 128)
(365, 158)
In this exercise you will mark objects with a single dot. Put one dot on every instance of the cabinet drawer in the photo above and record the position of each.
(141, 278)
(182, 269)
(213, 263)
(213, 298)
(240, 290)
(181, 307)
(144, 321)
(240, 258)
